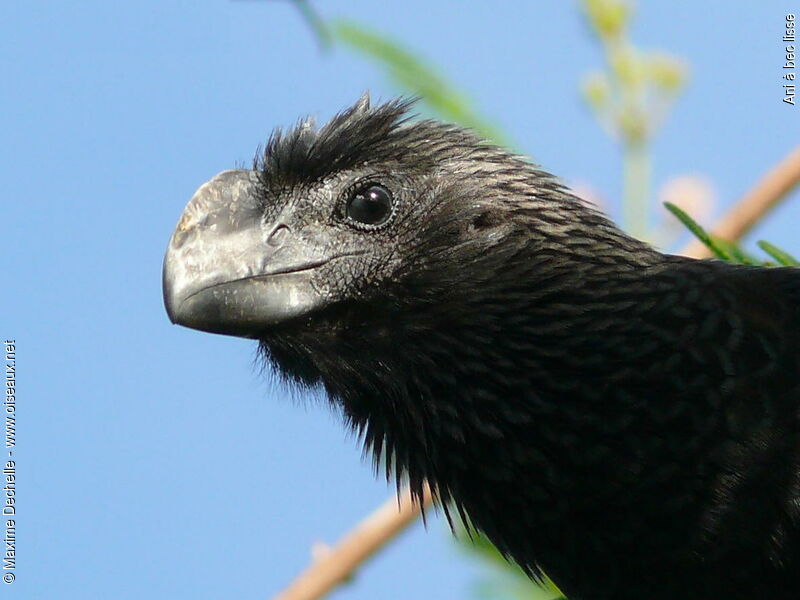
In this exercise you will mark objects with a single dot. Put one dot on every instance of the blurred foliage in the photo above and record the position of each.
(411, 74)
(732, 252)
(415, 76)
(780, 256)
(315, 23)
(631, 98)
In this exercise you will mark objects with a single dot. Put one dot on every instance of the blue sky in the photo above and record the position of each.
(158, 462)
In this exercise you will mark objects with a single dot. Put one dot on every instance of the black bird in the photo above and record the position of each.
(625, 421)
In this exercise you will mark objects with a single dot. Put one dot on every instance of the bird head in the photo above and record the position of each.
(368, 224)
(325, 216)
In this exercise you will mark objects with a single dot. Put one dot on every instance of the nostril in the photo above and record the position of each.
(278, 235)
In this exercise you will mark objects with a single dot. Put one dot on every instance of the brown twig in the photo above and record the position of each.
(369, 536)
(773, 187)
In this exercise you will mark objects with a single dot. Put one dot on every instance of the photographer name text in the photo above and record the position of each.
(9, 476)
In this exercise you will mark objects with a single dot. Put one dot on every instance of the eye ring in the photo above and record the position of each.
(370, 206)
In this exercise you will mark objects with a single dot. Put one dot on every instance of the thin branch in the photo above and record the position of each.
(369, 536)
(767, 193)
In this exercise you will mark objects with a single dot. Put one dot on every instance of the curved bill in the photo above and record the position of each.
(225, 271)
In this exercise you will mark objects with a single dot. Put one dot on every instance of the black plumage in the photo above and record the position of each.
(626, 421)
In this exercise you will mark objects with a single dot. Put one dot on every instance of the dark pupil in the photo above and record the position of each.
(371, 206)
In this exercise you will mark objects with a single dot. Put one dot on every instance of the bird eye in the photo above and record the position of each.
(371, 205)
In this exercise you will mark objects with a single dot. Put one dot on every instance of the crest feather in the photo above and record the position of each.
(357, 134)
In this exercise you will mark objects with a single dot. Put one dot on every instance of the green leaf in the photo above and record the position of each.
(315, 22)
(415, 76)
(698, 231)
(737, 255)
(781, 256)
